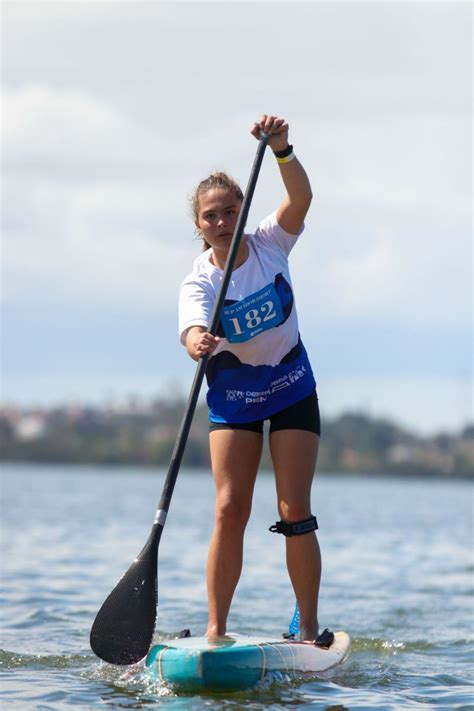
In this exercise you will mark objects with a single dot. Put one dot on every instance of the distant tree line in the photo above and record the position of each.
(145, 434)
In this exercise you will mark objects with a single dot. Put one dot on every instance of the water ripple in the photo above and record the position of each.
(379, 584)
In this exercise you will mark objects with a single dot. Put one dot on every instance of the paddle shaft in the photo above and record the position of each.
(186, 422)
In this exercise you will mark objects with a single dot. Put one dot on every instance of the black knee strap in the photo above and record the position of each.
(295, 528)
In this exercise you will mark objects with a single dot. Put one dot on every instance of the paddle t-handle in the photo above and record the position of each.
(123, 628)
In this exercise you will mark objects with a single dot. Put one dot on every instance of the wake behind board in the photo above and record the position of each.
(237, 661)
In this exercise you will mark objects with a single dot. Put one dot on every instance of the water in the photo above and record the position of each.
(398, 576)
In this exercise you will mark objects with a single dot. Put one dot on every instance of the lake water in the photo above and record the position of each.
(398, 577)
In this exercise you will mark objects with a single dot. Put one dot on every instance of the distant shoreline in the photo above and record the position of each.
(152, 468)
(353, 443)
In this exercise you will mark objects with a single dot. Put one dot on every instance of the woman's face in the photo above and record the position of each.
(217, 217)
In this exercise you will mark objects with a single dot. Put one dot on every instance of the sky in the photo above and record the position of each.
(112, 112)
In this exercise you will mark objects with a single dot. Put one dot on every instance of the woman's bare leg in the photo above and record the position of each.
(294, 454)
(235, 456)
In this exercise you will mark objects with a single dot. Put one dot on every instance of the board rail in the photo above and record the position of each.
(237, 661)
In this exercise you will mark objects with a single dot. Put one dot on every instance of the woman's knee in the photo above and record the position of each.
(294, 510)
(232, 512)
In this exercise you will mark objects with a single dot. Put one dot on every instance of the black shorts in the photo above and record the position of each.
(303, 415)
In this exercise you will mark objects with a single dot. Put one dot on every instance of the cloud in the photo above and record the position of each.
(94, 210)
(388, 235)
(113, 112)
(68, 134)
(102, 215)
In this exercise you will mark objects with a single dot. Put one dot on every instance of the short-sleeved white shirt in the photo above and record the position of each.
(260, 365)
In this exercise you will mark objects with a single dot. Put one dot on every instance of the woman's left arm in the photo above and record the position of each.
(294, 206)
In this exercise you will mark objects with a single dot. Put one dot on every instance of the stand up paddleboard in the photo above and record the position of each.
(236, 661)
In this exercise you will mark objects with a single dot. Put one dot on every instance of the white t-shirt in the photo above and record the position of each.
(260, 365)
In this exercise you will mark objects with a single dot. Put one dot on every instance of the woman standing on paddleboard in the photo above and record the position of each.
(258, 370)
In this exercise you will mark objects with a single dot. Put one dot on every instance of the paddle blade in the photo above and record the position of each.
(124, 626)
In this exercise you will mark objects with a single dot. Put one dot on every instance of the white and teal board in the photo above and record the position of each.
(237, 661)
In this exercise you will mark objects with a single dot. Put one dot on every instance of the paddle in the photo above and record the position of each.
(123, 628)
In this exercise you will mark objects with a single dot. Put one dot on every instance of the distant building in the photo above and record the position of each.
(29, 427)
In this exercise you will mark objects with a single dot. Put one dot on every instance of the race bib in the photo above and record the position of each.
(257, 313)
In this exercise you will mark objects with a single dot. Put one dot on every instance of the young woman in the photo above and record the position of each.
(258, 370)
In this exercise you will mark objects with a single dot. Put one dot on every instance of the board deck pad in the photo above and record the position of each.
(237, 661)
